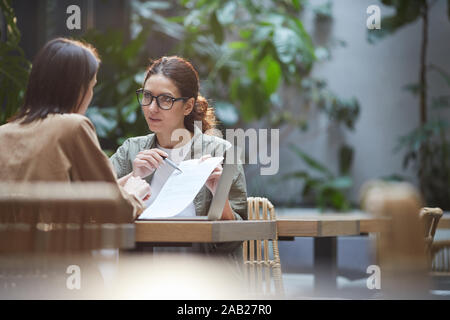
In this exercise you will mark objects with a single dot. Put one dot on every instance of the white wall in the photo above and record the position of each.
(375, 75)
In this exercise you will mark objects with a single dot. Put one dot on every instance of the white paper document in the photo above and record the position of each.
(181, 188)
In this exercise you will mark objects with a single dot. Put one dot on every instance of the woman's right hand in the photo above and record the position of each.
(137, 186)
(147, 161)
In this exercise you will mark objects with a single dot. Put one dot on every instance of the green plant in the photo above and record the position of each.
(326, 188)
(244, 51)
(431, 144)
(246, 54)
(115, 111)
(14, 67)
(426, 146)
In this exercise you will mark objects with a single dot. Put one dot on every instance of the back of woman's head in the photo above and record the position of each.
(59, 79)
(186, 79)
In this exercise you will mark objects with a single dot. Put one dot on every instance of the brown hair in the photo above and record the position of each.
(61, 72)
(186, 79)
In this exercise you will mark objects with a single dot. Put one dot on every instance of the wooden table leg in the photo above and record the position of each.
(325, 265)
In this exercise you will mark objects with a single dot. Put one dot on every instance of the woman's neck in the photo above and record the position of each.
(165, 138)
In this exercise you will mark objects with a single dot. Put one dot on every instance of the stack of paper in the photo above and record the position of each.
(181, 188)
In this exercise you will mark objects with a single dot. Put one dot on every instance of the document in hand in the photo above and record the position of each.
(181, 188)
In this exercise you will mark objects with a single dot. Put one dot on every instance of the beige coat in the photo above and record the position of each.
(61, 147)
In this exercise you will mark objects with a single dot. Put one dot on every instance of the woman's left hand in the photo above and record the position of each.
(211, 184)
(214, 177)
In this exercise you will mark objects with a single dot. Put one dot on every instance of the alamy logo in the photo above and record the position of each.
(73, 282)
(374, 20)
(259, 142)
(373, 281)
(73, 22)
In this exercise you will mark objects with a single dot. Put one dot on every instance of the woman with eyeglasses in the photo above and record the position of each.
(50, 139)
(178, 117)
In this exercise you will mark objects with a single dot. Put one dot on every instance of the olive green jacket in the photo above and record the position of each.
(202, 144)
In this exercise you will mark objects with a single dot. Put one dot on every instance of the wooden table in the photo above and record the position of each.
(173, 231)
(325, 228)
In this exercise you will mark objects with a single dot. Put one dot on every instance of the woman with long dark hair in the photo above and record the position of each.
(179, 117)
(50, 139)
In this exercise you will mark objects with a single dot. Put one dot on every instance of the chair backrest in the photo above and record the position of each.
(430, 219)
(262, 267)
(63, 217)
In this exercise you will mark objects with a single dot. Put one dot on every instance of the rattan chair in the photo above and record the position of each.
(440, 253)
(262, 269)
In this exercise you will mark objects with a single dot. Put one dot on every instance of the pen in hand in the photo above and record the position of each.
(171, 163)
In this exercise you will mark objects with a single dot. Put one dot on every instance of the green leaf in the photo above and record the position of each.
(192, 18)
(296, 175)
(226, 112)
(286, 43)
(273, 74)
(406, 12)
(339, 183)
(255, 103)
(312, 163)
(14, 67)
(133, 47)
(128, 112)
(274, 19)
(123, 86)
(238, 45)
(345, 159)
(155, 5)
(414, 88)
(226, 14)
(339, 201)
(394, 177)
(103, 123)
(216, 28)
(6, 71)
(440, 102)
(140, 77)
(245, 33)
(261, 34)
(296, 4)
(448, 9)
(445, 75)
(324, 11)
(322, 54)
(310, 185)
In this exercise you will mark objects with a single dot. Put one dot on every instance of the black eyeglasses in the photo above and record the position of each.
(165, 102)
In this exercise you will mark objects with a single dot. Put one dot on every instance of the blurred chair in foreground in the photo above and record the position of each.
(401, 249)
(260, 269)
(62, 217)
(46, 227)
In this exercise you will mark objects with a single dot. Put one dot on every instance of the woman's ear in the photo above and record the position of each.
(188, 106)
